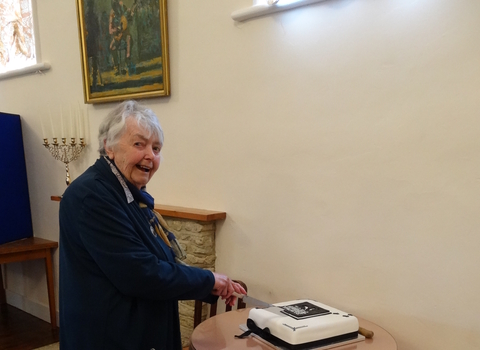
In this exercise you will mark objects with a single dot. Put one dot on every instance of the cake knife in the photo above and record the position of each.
(251, 301)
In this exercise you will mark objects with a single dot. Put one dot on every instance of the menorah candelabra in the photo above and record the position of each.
(65, 152)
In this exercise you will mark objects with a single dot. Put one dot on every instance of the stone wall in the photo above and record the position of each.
(197, 238)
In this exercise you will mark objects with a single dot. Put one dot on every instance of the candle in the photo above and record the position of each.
(68, 128)
(44, 134)
(74, 122)
(62, 123)
(87, 125)
(72, 125)
(81, 121)
(78, 121)
(51, 123)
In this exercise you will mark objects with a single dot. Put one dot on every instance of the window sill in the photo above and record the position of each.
(39, 67)
(262, 8)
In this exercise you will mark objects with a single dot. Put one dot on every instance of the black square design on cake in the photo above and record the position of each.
(303, 310)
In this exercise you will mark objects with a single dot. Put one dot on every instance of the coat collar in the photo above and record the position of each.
(132, 193)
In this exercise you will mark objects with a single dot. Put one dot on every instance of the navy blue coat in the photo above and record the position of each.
(119, 284)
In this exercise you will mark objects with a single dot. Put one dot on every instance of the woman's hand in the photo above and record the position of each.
(224, 288)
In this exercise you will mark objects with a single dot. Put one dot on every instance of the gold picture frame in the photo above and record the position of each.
(124, 49)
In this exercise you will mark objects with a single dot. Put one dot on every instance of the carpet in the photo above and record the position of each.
(54, 346)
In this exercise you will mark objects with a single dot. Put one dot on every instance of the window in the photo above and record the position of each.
(17, 40)
(18, 52)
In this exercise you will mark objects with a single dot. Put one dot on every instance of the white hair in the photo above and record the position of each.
(113, 127)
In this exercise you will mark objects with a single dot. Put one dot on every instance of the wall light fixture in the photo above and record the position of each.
(265, 7)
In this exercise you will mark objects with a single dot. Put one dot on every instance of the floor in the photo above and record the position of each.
(22, 331)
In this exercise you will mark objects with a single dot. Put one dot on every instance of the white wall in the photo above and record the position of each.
(340, 138)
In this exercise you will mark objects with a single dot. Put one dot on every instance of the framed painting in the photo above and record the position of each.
(124, 49)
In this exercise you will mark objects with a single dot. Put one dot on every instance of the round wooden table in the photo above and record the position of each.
(218, 332)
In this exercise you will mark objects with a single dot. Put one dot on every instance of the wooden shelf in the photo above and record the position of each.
(190, 213)
(181, 212)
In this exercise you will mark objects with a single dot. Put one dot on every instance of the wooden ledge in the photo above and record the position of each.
(189, 213)
(180, 212)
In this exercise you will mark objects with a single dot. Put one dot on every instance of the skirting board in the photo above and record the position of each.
(33, 308)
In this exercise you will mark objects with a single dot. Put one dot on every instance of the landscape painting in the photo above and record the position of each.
(124, 48)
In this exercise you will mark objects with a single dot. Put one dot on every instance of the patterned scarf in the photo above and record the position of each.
(157, 223)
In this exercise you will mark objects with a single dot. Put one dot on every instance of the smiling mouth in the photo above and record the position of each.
(143, 168)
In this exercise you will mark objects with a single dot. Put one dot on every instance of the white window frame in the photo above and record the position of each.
(266, 7)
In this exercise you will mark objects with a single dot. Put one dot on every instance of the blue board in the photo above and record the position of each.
(15, 213)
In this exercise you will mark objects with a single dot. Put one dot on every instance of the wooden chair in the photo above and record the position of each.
(197, 318)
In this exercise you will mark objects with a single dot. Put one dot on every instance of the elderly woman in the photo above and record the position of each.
(120, 276)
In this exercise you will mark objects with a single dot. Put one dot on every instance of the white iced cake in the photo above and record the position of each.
(300, 324)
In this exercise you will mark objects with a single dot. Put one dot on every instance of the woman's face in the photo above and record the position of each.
(135, 155)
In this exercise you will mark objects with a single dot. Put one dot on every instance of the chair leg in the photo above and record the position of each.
(51, 289)
(197, 316)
